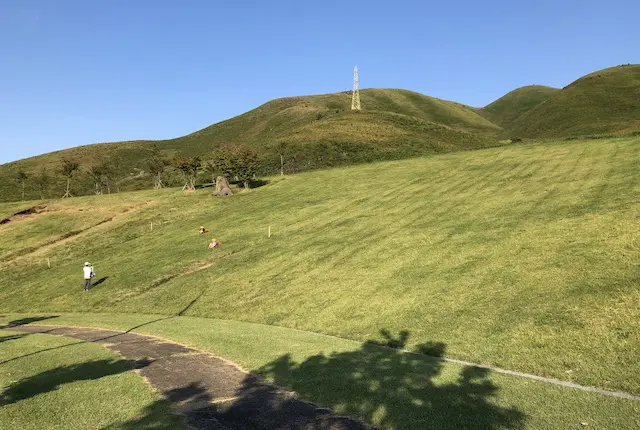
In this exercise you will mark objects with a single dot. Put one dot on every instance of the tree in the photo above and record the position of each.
(239, 162)
(247, 165)
(68, 169)
(42, 182)
(281, 148)
(22, 177)
(97, 175)
(223, 160)
(110, 174)
(189, 168)
(212, 168)
(156, 166)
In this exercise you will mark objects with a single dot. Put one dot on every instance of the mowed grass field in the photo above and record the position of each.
(524, 257)
(51, 382)
(384, 386)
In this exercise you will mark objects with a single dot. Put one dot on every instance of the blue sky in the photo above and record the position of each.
(79, 72)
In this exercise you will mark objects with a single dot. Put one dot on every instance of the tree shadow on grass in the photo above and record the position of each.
(29, 320)
(110, 336)
(51, 380)
(396, 389)
(386, 386)
(194, 403)
(8, 337)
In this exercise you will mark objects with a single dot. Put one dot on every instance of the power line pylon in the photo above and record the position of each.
(355, 95)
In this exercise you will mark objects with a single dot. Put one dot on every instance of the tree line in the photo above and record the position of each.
(240, 164)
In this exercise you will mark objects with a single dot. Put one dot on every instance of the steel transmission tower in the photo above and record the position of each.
(355, 96)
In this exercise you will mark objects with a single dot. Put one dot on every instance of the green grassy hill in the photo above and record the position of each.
(312, 132)
(603, 102)
(524, 257)
(321, 131)
(510, 106)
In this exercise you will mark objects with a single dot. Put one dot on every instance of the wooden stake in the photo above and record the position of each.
(48, 263)
(269, 231)
(152, 225)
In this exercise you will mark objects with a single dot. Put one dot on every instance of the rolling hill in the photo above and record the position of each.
(603, 102)
(523, 256)
(311, 131)
(321, 131)
(510, 106)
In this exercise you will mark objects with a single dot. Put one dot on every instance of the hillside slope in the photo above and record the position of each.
(311, 131)
(523, 256)
(510, 106)
(606, 101)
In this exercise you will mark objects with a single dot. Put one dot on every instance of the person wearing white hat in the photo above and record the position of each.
(88, 274)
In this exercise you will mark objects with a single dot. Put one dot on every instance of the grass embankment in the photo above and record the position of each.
(523, 257)
(311, 132)
(381, 385)
(55, 221)
(57, 383)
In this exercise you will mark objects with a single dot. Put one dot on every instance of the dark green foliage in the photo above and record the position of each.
(237, 162)
(22, 177)
(156, 166)
(189, 167)
(96, 174)
(68, 169)
(42, 180)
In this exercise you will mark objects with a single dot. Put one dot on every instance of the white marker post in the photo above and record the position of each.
(48, 263)
(269, 231)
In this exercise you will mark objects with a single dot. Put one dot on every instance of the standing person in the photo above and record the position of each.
(88, 274)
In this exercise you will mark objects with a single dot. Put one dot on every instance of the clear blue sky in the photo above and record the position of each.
(75, 72)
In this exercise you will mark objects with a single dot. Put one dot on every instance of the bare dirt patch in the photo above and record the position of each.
(24, 214)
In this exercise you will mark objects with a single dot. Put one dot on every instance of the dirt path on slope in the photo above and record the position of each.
(43, 247)
(209, 392)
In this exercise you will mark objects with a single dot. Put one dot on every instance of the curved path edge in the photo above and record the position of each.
(209, 392)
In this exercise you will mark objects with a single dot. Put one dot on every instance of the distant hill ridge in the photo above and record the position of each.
(606, 101)
(510, 106)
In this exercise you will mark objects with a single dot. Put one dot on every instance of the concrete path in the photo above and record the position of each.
(209, 392)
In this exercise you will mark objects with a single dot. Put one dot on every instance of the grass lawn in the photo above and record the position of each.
(382, 385)
(524, 257)
(50, 382)
(61, 219)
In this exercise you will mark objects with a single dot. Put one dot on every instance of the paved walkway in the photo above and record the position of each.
(209, 392)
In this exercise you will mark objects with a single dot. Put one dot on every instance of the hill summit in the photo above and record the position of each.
(510, 106)
(607, 101)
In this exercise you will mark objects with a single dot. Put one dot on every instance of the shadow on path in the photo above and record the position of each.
(192, 397)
